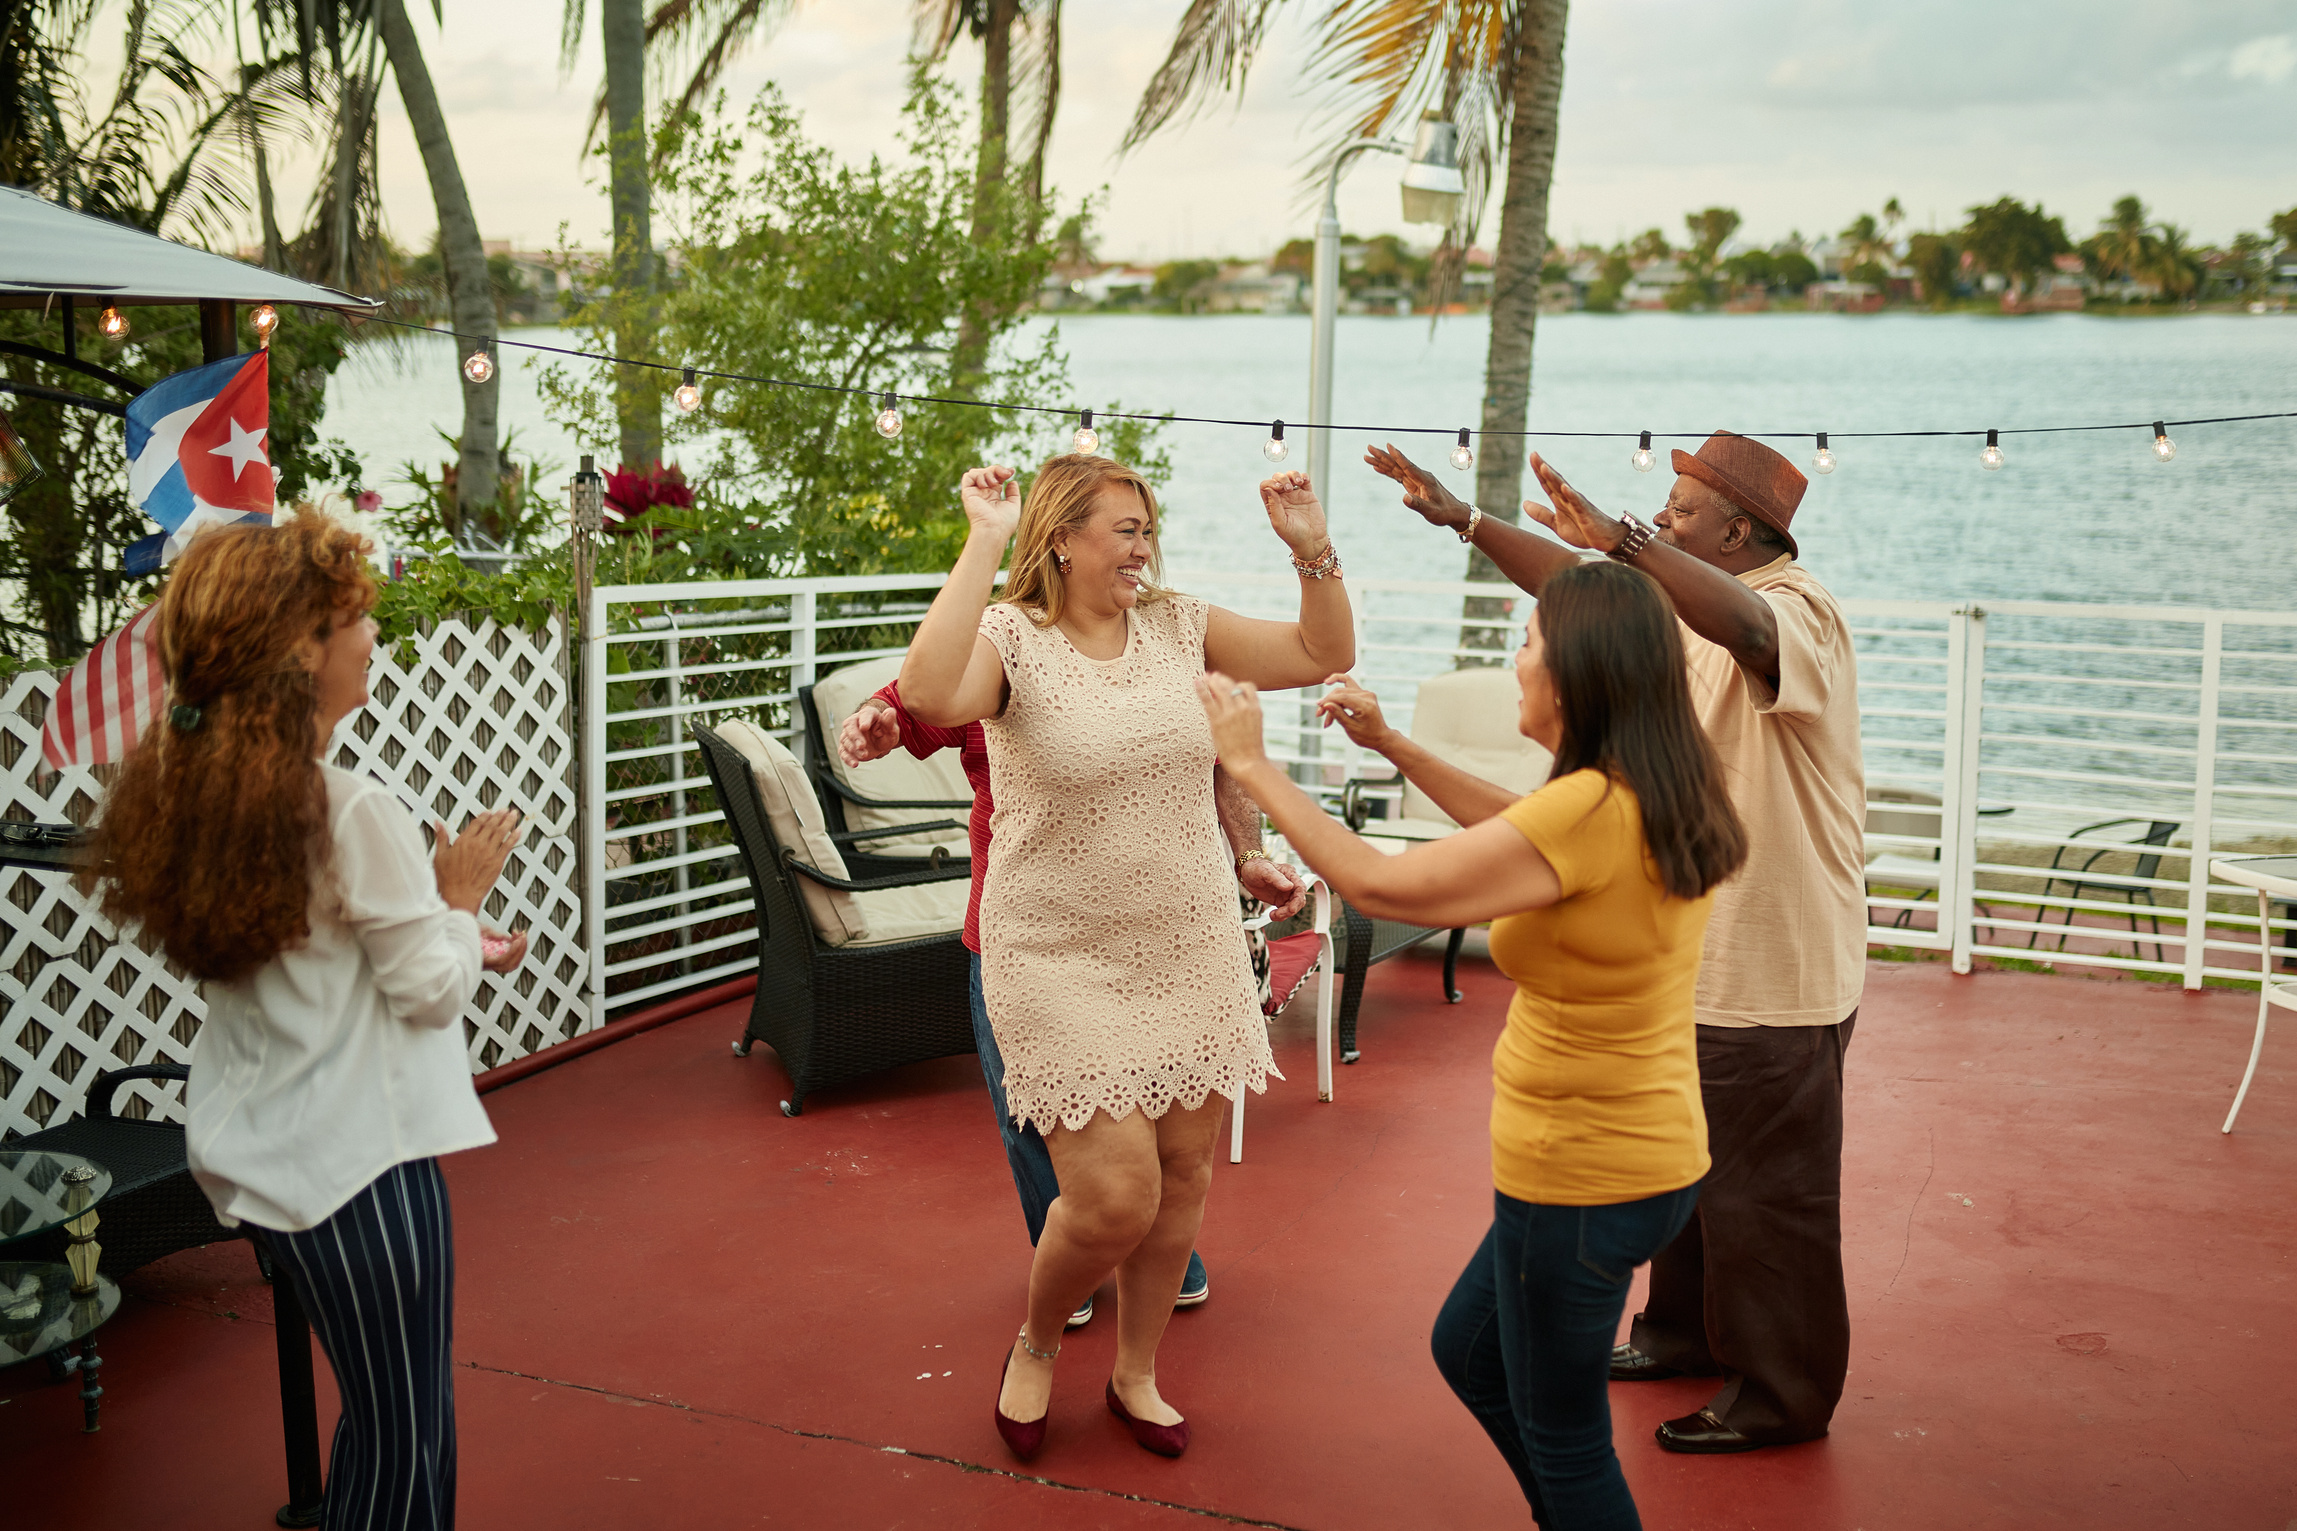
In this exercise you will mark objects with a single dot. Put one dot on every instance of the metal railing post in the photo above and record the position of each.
(804, 612)
(677, 731)
(592, 726)
(1958, 815)
(2204, 806)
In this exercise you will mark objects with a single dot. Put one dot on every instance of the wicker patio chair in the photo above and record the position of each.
(927, 795)
(1466, 718)
(855, 975)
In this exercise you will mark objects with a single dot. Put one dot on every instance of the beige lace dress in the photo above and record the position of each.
(1112, 948)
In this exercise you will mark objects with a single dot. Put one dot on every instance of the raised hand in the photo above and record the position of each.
(1234, 710)
(466, 868)
(1356, 710)
(992, 499)
(1573, 517)
(1436, 504)
(870, 733)
(1295, 512)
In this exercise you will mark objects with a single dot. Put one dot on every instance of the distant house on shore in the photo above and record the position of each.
(1252, 288)
(1843, 297)
(2063, 289)
(1650, 285)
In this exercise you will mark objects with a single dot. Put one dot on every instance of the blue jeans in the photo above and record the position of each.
(1525, 1341)
(1025, 1151)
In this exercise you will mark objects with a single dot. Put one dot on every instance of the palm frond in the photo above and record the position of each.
(1212, 52)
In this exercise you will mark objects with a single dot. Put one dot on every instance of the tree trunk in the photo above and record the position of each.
(637, 391)
(478, 475)
(1515, 297)
(971, 359)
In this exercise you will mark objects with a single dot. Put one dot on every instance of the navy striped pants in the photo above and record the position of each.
(378, 1281)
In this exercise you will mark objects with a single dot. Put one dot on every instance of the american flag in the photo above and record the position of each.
(107, 700)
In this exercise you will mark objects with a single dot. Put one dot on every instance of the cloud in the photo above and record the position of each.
(2269, 60)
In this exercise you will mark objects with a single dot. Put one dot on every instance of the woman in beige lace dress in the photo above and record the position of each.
(1112, 955)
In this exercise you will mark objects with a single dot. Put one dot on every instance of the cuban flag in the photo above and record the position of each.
(106, 701)
(196, 454)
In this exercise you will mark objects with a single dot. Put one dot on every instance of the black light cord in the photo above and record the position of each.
(690, 372)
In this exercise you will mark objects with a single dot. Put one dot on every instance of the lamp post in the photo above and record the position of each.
(1432, 190)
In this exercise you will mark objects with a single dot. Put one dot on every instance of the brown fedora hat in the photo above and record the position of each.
(1751, 476)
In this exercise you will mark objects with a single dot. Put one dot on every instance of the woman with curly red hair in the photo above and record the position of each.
(331, 1071)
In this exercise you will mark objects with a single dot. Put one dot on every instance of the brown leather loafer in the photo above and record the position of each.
(1702, 1434)
(1630, 1365)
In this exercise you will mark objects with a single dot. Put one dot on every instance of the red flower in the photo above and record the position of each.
(630, 495)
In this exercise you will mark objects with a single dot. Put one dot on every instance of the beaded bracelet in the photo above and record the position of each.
(1325, 565)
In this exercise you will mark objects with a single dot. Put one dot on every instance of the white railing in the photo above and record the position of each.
(1995, 739)
(463, 718)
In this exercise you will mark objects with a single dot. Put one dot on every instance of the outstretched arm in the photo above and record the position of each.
(1468, 798)
(1464, 879)
(1526, 560)
(952, 675)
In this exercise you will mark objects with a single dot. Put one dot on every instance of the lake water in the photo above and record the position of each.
(2090, 517)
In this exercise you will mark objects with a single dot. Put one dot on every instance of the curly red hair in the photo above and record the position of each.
(211, 835)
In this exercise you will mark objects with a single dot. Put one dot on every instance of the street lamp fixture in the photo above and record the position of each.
(1432, 191)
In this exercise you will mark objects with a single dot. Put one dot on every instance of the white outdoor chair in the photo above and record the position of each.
(2275, 879)
(1903, 863)
(1283, 976)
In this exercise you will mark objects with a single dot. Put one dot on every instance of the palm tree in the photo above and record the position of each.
(625, 30)
(1495, 68)
(2176, 265)
(2124, 243)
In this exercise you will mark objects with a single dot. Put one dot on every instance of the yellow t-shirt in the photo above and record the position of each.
(1595, 1082)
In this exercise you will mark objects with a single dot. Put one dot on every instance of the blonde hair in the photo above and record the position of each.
(1061, 499)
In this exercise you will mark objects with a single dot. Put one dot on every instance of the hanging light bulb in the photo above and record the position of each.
(112, 324)
(263, 319)
(889, 418)
(1823, 461)
(1274, 448)
(688, 394)
(1086, 439)
(478, 366)
(1643, 458)
(2163, 447)
(1463, 456)
(1991, 458)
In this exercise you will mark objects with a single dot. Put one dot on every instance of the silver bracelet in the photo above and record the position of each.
(1325, 565)
(1637, 539)
(1475, 519)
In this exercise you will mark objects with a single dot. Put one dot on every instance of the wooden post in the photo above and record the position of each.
(218, 329)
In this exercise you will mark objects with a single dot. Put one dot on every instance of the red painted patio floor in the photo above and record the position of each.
(2074, 1303)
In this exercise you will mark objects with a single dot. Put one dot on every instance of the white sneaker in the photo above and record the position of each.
(1082, 1316)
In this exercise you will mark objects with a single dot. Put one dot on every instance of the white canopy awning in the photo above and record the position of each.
(49, 252)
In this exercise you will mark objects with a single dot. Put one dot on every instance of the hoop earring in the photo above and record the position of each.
(1061, 562)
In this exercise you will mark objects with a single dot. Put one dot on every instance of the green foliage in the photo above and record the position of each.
(1181, 285)
(1612, 278)
(60, 544)
(524, 516)
(442, 585)
(1937, 262)
(2014, 241)
(796, 266)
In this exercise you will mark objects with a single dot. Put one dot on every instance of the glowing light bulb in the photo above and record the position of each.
(1643, 458)
(688, 394)
(1086, 439)
(478, 366)
(2163, 447)
(1823, 461)
(1463, 456)
(263, 319)
(112, 324)
(889, 418)
(1274, 448)
(1991, 458)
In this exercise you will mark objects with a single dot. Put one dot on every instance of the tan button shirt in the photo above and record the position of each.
(1787, 943)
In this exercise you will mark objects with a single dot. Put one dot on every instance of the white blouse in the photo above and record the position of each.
(342, 1057)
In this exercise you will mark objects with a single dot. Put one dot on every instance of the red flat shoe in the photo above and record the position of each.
(1164, 1440)
(1022, 1439)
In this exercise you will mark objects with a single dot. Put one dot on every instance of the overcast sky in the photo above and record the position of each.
(1799, 113)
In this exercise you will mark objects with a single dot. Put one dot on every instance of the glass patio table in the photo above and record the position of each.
(47, 1306)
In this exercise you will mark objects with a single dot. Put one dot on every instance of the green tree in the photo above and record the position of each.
(798, 266)
(1650, 245)
(2283, 227)
(1937, 263)
(1611, 279)
(2014, 241)
(2177, 267)
(1791, 269)
(1180, 285)
(2123, 246)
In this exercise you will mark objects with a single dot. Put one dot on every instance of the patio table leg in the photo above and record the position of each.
(298, 1404)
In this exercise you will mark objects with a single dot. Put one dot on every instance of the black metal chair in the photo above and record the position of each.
(2147, 865)
(836, 797)
(837, 1013)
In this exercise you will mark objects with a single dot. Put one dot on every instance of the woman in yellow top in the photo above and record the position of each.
(1598, 886)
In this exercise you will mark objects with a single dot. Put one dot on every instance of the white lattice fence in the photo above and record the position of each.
(466, 717)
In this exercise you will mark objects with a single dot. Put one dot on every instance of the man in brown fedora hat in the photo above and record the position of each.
(1753, 1288)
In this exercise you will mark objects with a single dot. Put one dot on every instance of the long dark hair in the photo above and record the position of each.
(1616, 657)
(211, 835)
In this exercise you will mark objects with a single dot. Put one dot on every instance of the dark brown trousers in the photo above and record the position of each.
(1752, 1286)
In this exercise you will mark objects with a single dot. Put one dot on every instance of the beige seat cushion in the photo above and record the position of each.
(1467, 718)
(900, 776)
(794, 816)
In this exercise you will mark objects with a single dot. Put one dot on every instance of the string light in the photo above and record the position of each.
(688, 394)
(1991, 458)
(1643, 458)
(263, 319)
(478, 366)
(1463, 456)
(889, 418)
(1824, 461)
(1274, 448)
(112, 324)
(2163, 447)
(1086, 439)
